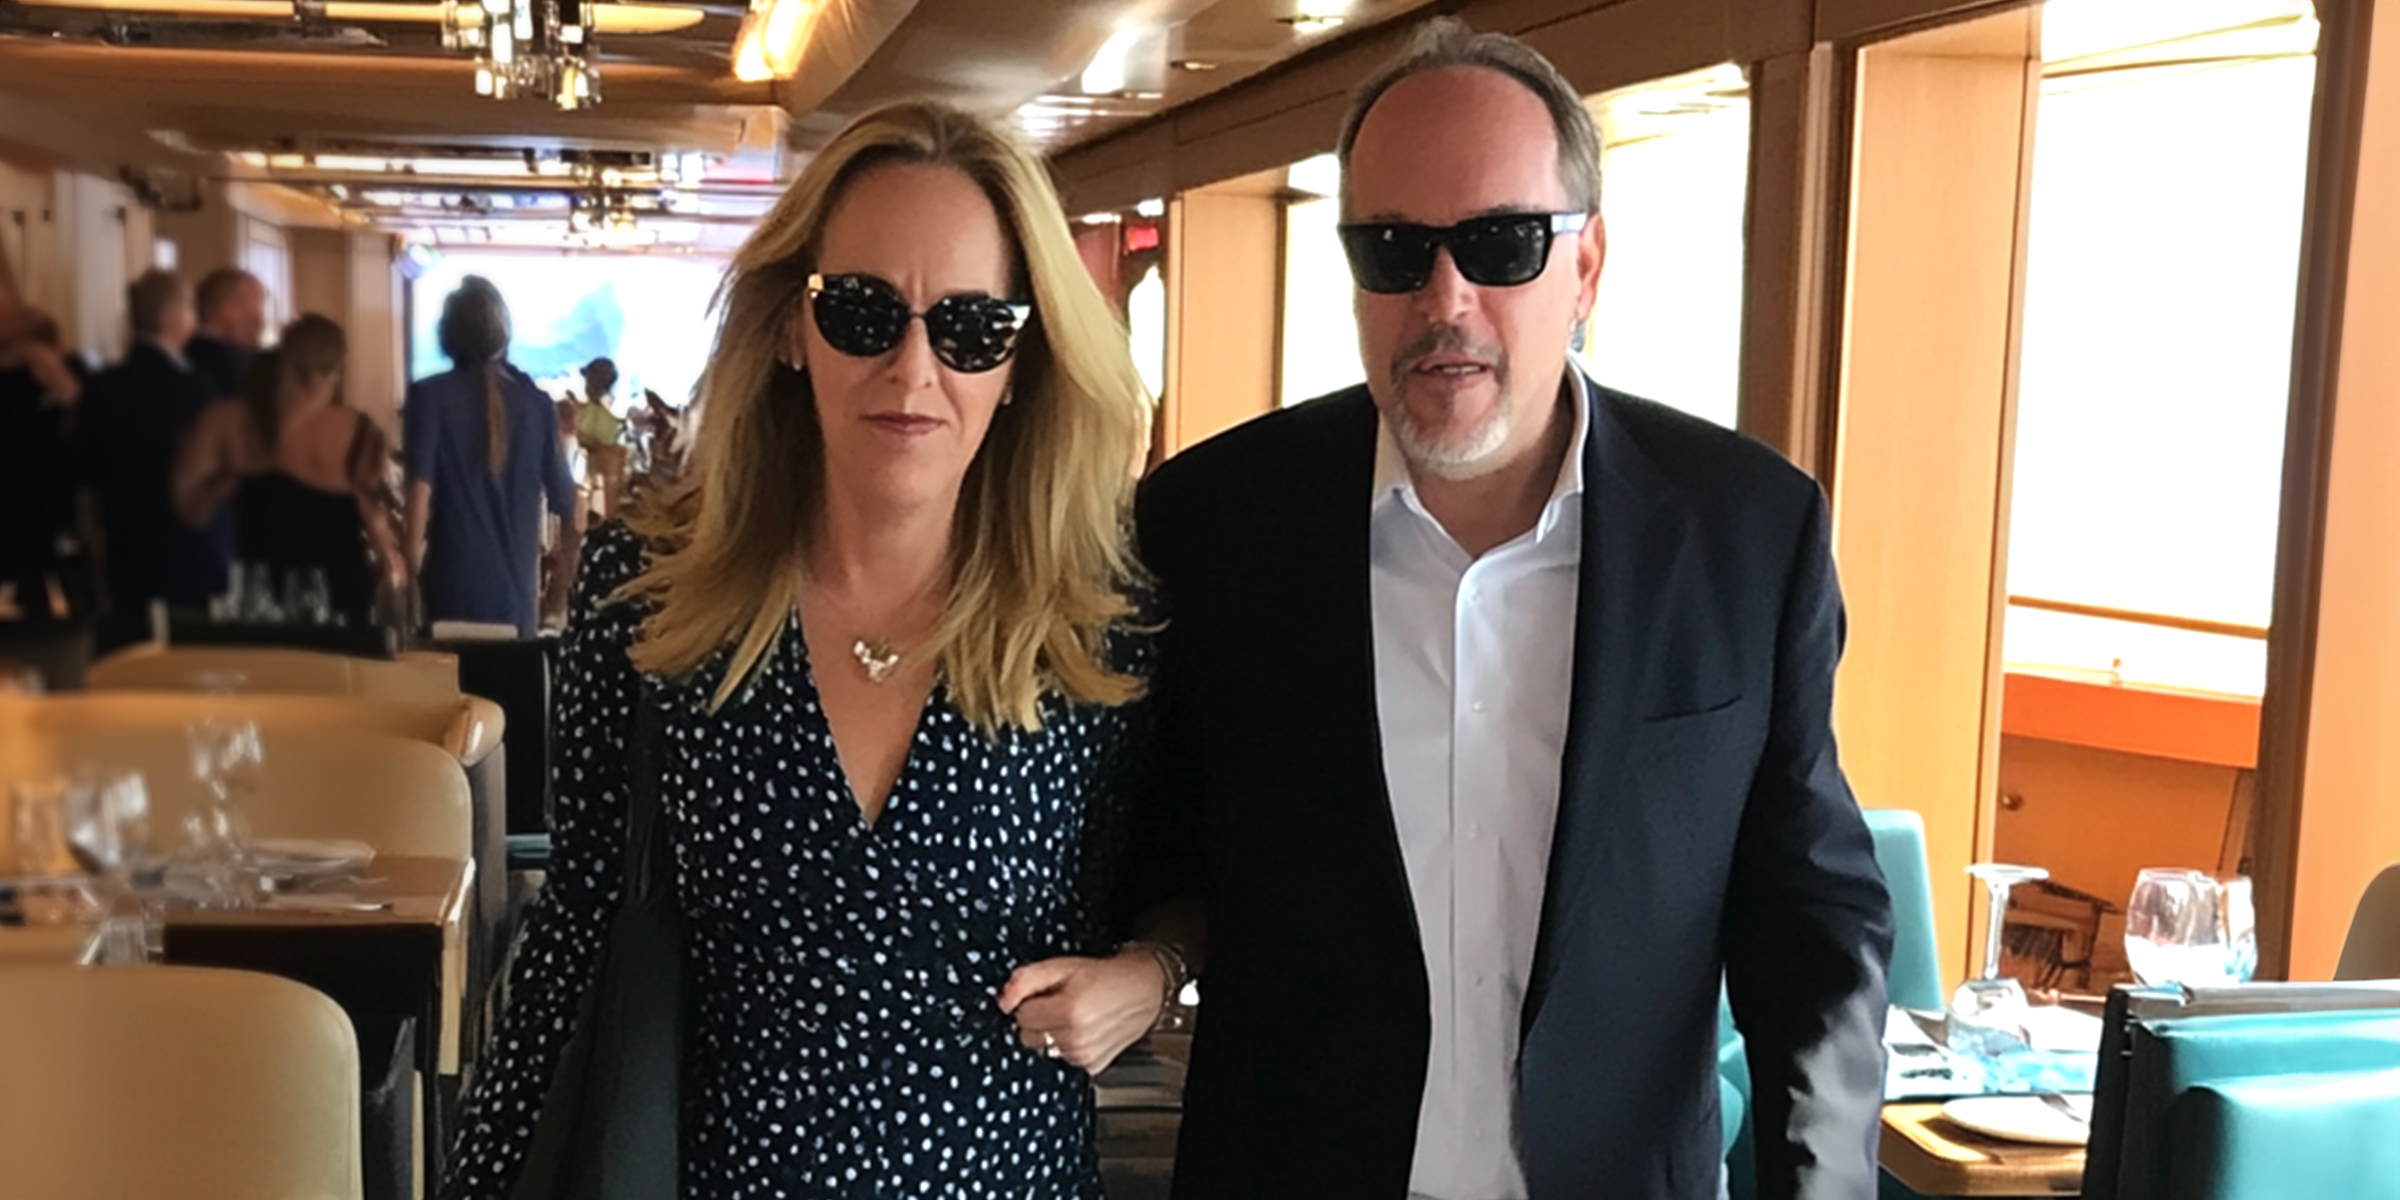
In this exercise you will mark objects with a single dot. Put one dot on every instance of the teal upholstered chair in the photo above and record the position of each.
(1915, 980)
(2258, 1092)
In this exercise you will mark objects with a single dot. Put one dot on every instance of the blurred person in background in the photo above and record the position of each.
(39, 388)
(233, 324)
(302, 470)
(127, 430)
(484, 465)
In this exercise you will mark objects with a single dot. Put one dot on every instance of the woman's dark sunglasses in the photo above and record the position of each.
(865, 317)
(1502, 251)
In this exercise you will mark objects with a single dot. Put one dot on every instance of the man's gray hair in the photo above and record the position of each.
(1448, 42)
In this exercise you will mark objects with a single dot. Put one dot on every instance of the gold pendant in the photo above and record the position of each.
(877, 657)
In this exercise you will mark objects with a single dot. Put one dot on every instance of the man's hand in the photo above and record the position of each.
(1086, 1011)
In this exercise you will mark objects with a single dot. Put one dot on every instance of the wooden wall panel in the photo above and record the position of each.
(378, 341)
(1224, 266)
(2348, 800)
(1793, 268)
(347, 274)
(1922, 453)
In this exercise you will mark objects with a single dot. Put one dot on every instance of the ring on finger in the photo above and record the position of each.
(1049, 1044)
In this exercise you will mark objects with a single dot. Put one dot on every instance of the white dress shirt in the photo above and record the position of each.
(1473, 663)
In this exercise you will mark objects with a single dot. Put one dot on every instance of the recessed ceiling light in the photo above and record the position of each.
(1193, 64)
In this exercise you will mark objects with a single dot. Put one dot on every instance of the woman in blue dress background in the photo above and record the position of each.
(886, 611)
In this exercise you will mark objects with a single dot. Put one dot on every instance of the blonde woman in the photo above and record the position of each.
(885, 615)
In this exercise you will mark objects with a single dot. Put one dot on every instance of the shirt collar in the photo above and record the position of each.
(1393, 485)
(181, 364)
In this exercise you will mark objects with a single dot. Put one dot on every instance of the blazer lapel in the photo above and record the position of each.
(1628, 539)
(1347, 626)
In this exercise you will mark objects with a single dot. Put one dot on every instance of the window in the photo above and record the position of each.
(1320, 331)
(650, 314)
(1675, 172)
(2170, 161)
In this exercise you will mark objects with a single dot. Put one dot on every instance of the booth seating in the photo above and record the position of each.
(2265, 1091)
(416, 676)
(172, 1081)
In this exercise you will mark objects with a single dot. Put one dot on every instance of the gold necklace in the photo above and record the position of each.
(877, 656)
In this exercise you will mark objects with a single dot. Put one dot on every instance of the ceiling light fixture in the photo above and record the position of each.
(1306, 22)
(1131, 62)
(538, 49)
(772, 37)
(609, 18)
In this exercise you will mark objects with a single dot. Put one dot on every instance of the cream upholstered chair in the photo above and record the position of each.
(2372, 949)
(468, 727)
(174, 1081)
(397, 795)
(415, 676)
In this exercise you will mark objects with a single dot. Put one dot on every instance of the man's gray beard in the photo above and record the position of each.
(1457, 460)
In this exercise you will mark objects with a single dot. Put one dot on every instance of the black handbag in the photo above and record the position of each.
(611, 1121)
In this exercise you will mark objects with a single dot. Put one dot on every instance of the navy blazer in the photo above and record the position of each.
(127, 431)
(1705, 831)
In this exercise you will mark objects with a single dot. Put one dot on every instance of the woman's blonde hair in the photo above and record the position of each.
(1040, 564)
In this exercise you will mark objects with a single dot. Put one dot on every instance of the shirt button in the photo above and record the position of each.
(1477, 706)
(1475, 829)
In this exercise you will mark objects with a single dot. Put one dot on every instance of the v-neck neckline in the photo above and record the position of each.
(833, 747)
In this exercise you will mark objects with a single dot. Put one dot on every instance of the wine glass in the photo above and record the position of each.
(2187, 927)
(227, 759)
(108, 832)
(312, 602)
(1987, 1014)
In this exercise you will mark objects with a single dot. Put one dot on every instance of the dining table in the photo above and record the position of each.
(388, 945)
(1936, 1156)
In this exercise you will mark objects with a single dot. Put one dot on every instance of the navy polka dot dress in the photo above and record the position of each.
(845, 1037)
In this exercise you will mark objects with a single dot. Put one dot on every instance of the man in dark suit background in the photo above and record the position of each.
(232, 304)
(1496, 714)
(127, 430)
(39, 387)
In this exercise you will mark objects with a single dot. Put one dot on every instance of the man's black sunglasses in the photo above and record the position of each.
(1500, 251)
(864, 316)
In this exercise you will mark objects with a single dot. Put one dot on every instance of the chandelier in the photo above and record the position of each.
(529, 49)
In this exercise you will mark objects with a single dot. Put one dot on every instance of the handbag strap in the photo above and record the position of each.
(649, 854)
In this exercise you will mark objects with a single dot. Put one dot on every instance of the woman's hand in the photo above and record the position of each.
(1086, 1011)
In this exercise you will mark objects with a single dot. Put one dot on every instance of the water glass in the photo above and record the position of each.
(1987, 1015)
(2188, 927)
(227, 760)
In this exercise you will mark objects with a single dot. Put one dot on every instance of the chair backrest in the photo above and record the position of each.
(2372, 949)
(397, 795)
(175, 1081)
(468, 727)
(2248, 1092)
(1916, 978)
(416, 676)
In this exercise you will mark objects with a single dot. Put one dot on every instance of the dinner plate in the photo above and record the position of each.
(2022, 1118)
(295, 859)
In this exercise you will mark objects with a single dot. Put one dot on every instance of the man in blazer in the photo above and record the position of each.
(1495, 709)
(127, 431)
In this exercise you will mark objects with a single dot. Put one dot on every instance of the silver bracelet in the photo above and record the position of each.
(1176, 973)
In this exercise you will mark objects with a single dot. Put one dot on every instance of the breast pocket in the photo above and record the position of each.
(1698, 766)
